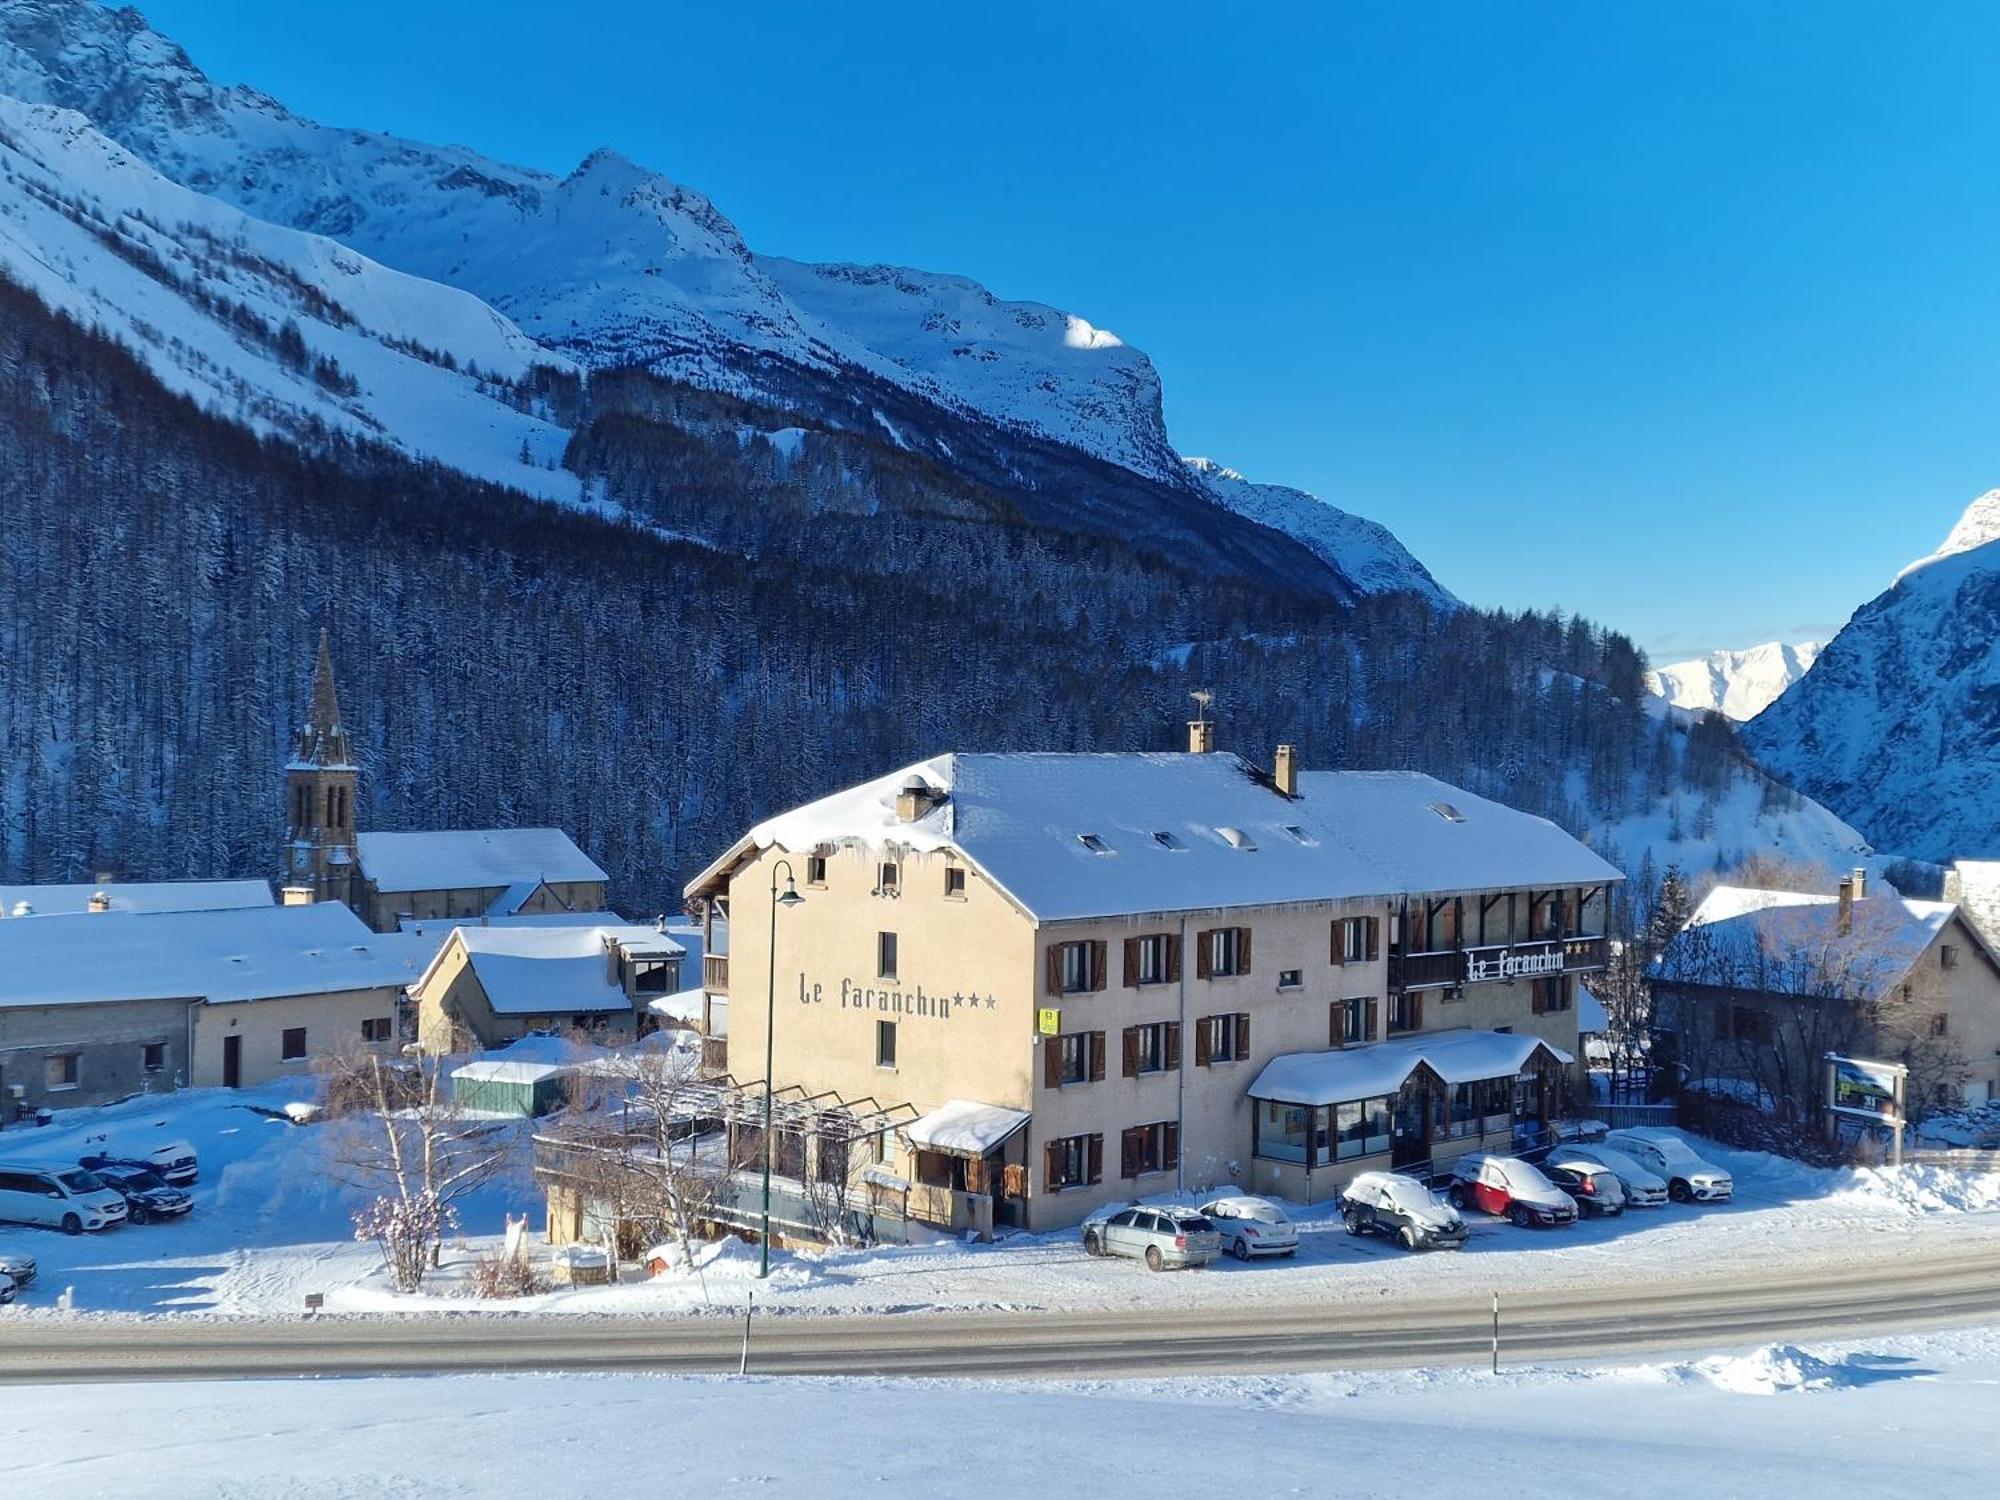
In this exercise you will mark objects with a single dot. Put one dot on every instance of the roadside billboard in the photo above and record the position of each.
(1866, 1090)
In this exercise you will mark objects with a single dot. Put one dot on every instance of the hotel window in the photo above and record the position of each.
(1224, 951)
(1291, 979)
(954, 880)
(1073, 1161)
(1360, 1128)
(885, 955)
(62, 1071)
(1075, 1057)
(887, 878)
(1281, 1130)
(1150, 1148)
(885, 1044)
(1153, 959)
(815, 869)
(1948, 956)
(1355, 940)
(1152, 1049)
(1353, 1022)
(1221, 1039)
(376, 1029)
(293, 1045)
(1551, 995)
(153, 1057)
(1482, 1105)
(1075, 968)
(1406, 1012)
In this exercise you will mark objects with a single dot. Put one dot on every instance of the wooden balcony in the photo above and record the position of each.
(715, 972)
(1426, 971)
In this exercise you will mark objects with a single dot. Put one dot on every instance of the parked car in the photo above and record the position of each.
(18, 1268)
(173, 1160)
(1643, 1188)
(65, 1198)
(1690, 1178)
(146, 1194)
(1252, 1226)
(8, 1291)
(1593, 1188)
(1512, 1188)
(1162, 1237)
(1402, 1209)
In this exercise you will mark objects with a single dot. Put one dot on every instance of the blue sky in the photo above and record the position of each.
(1681, 316)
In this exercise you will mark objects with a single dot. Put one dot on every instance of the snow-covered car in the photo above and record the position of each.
(1643, 1187)
(1252, 1226)
(1402, 1209)
(175, 1161)
(1690, 1178)
(1593, 1188)
(146, 1194)
(18, 1268)
(1163, 1237)
(1511, 1188)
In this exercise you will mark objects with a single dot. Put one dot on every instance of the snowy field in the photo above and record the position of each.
(1891, 1416)
(269, 1227)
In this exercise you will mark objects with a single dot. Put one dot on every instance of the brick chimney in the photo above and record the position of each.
(1286, 770)
(1201, 729)
(1846, 904)
(1860, 879)
(100, 901)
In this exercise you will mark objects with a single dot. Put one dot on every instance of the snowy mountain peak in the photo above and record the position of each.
(1979, 525)
(1739, 684)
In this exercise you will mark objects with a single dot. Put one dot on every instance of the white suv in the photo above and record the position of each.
(65, 1198)
(1690, 1179)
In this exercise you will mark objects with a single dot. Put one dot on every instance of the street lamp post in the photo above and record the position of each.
(791, 897)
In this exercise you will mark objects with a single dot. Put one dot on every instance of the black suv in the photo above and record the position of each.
(146, 1194)
(1402, 1209)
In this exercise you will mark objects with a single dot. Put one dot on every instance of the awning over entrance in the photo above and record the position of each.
(1340, 1077)
(963, 1127)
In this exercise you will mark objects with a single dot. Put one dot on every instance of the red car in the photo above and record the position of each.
(1510, 1188)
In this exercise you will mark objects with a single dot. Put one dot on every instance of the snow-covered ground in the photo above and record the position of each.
(269, 1227)
(1891, 1416)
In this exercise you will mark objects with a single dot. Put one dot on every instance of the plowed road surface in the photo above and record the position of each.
(1872, 1296)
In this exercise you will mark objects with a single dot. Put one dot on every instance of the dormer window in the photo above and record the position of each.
(1298, 834)
(1168, 841)
(1093, 843)
(1446, 811)
(1236, 838)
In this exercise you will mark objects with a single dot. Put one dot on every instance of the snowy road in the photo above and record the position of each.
(1870, 1296)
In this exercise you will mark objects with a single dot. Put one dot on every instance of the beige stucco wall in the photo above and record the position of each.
(1971, 995)
(451, 989)
(332, 1022)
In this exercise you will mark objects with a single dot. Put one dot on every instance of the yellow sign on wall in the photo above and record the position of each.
(1048, 1021)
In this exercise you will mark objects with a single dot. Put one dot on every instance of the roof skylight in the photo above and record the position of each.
(1236, 838)
(1093, 843)
(1446, 811)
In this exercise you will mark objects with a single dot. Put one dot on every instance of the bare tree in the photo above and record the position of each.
(395, 1131)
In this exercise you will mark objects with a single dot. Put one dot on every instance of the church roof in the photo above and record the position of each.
(323, 738)
(473, 859)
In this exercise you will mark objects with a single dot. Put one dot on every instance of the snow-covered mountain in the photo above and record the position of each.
(1897, 726)
(1366, 551)
(1739, 684)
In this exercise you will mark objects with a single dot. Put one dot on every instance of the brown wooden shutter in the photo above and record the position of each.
(1014, 1180)
(1203, 952)
(1539, 996)
(1374, 937)
(1242, 1033)
(975, 1175)
(1097, 1057)
(1128, 1154)
(1203, 1030)
(1099, 963)
(1131, 963)
(1097, 1158)
(1336, 950)
(1051, 1172)
(1173, 1046)
(1055, 969)
(1368, 1021)
(1170, 1145)
(1052, 1062)
(1336, 1024)
(1131, 1052)
(1173, 958)
(1416, 1012)
(1243, 950)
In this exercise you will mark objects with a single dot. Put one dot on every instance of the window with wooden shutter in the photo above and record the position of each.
(1097, 1057)
(1173, 1046)
(1097, 1158)
(1052, 1167)
(1243, 950)
(1372, 1018)
(1242, 1034)
(1204, 1030)
(1100, 953)
(975, 1175)
(1052, 1062)
(1131, 1052)
(1131, 963)
(1374, 931)
(1204, 951)
(1336, 1023)
(1128, 1153)
(1174, 958)
(1170, 1145)
(1055, 969)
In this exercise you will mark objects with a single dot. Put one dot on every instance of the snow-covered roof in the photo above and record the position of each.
(1074, 836)
(136, 895)
(1591, 1016)
(499, 1071)
(687, 1006)
(244, 953)
(964, 1127)
(473, 859)
(1976, 885)
(1342, 1076)
(543, 970)
(1793, 942)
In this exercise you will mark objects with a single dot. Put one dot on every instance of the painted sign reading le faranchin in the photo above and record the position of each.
(896, 1002)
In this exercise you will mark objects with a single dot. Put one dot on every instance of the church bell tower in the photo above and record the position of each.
(319, 854)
